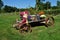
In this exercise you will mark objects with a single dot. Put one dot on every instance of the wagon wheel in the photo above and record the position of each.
(29, 28)
(25, 28)
(50, 21)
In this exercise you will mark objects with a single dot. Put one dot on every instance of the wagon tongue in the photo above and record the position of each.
(42, 22)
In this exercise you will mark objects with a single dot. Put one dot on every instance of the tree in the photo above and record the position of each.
(32, 10)
(1, 4)
(58, 4)
(10, 9)
(39, 5)
(54, 7)
(47, 5)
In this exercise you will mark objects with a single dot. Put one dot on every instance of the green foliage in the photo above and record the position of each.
(53, 12)
(58, 3)
(1, 5)
(42, 6)
(37, 4)
(47, 5)
(54, 7)
(10, 9)
(32, 10)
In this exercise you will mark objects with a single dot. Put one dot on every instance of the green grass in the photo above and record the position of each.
(39, 33)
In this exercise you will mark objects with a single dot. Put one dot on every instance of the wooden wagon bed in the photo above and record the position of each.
(36, 23)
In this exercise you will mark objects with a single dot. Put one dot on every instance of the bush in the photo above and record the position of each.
(53, 12)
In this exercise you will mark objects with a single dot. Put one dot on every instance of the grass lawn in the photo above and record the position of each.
(39, 33)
